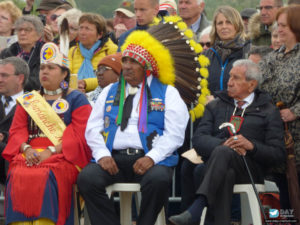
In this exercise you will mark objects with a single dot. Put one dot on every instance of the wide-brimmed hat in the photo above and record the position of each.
(127, 8)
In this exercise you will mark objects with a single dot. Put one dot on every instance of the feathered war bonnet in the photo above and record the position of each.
(168, 52)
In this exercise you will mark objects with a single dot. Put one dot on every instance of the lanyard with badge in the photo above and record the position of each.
(236, 121)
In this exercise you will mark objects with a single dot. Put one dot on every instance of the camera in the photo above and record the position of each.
(42, 18)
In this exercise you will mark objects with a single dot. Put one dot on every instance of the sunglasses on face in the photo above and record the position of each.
(53, 17)
(207, 44)
(102, 69)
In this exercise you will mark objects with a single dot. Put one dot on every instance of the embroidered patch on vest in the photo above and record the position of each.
(157, 105)
(106, 122)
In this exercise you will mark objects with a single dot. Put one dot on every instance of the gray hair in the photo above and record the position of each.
(205, 31)
(262, 50)
(252, 70)
(21, 67)
(274, 27)
(34, 20)
(71, 15)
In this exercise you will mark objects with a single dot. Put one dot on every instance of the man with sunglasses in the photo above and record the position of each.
(260, 24)
(108, 71)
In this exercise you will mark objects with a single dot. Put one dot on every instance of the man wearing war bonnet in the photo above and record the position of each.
(138, 123)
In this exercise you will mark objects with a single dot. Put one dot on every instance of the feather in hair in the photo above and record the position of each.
(64, 41)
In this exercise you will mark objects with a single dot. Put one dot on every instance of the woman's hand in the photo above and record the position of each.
(287, 115)
(32, 156)
(58, 148)
(81, 86)
(44, 155)
(47, 153)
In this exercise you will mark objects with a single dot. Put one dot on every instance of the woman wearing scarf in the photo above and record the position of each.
(228, 45)
(94, 44)
(29, 30)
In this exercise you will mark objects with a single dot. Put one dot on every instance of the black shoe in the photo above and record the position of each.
(184, 218)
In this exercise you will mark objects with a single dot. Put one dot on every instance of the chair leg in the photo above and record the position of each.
(125, 208)
(161, 218)
(76, 216)
(86, 216)
(254, 208)
(202, 220)
(246, 216)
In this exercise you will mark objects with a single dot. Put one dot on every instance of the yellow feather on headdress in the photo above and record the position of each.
(203, 61)
(161, 46)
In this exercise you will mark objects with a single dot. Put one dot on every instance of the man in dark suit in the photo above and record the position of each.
(14, 72)
(259, 139)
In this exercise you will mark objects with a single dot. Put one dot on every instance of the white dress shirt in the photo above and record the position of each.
(12, 103)
(175, 121)
(248, 100)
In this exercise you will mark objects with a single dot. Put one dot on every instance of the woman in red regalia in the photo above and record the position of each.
(43, 167)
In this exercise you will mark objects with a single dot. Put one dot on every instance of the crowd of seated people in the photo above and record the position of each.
(91, 101)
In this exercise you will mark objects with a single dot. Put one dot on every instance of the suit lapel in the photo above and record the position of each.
(2, 113)
(10, 114)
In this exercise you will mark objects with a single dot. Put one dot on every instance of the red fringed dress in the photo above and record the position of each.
(45, 190)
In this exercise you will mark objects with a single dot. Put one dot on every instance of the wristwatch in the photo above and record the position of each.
(52, 149)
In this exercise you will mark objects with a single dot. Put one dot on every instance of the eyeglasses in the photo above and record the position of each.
(73, 29)
(267, 7)
(5, 76)
(207, 44)
(102, 69)
(4, 18)
(25, 29)
(53, 17)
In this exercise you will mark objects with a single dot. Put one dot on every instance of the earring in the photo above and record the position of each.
(64, 85)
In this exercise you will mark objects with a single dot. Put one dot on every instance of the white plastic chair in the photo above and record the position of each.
(249, 204)
(125, 192)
